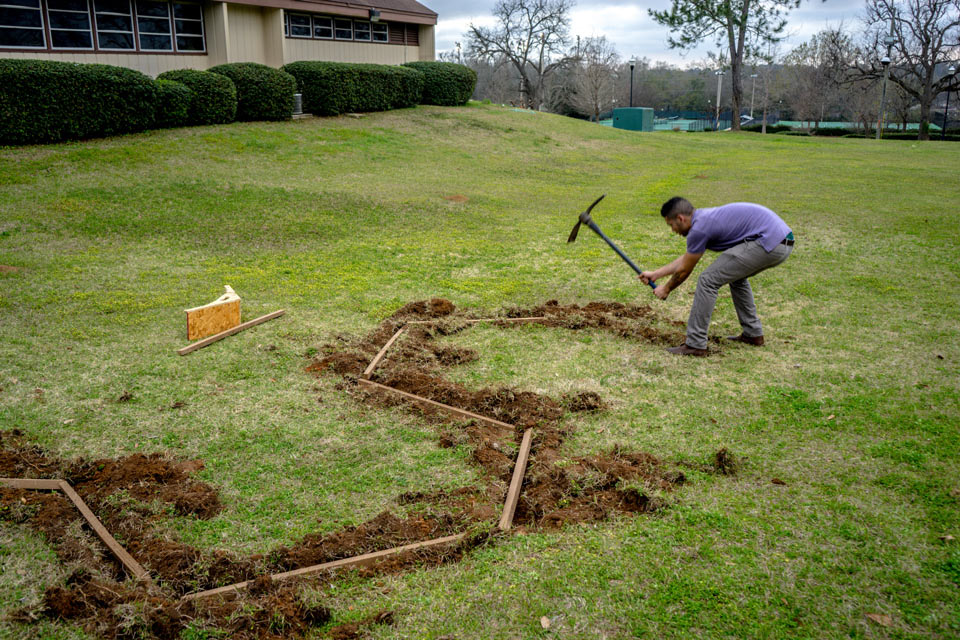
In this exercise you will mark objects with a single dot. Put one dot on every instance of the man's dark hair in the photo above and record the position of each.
(676, 206)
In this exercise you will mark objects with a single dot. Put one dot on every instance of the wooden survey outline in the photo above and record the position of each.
(373, 363)
(229, 332)
(476, 320)
(62, 485)
(513, 494)
(459, 413)
(364, 560)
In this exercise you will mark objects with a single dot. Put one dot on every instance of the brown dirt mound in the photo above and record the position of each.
(124, 492)
(556, 491)
(120, 493)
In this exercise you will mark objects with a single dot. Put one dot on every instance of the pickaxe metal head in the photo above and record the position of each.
(584, 219)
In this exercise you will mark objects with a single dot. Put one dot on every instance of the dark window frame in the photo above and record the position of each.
(88, 30)
(94, 32)
(42, 28)
(378, 32)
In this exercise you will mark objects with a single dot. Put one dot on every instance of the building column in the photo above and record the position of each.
(274, 41)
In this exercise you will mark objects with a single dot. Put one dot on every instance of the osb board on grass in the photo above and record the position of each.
(215, 317)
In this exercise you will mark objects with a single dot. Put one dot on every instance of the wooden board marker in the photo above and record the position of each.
(216, 317)
(364, 560)
(373, 364)
(131, 565)
(513, 494)
(229, 332)
(458, 413)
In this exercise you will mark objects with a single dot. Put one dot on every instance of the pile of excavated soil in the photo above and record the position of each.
(124, 493)
(557, 490)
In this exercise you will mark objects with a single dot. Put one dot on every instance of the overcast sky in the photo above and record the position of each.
(630, 28)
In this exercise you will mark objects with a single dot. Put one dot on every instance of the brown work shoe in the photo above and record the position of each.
(756, 341)
(684, 350)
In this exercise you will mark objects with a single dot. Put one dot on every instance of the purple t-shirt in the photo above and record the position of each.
(720, 228)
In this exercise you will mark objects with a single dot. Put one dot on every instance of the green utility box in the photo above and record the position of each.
(633, 118)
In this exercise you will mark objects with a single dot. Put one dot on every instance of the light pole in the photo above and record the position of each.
(459, 56)
(885, 61)
(719, 74)
(946, 110)
(753, 93)
(633, 63)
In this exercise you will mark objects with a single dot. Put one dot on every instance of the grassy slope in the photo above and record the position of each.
(854, 403)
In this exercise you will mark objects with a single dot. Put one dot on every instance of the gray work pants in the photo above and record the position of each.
(733, 267)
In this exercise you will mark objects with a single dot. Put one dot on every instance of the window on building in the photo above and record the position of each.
(153, 25)
(69, 24)
(344, 29)
(188, 25)
(21, 24)
(323, 27)
(299, 25)
(320, 27)
(361, 31)
(114, 24)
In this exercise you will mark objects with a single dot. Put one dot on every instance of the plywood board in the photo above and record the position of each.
(216, 317)
(229, 332)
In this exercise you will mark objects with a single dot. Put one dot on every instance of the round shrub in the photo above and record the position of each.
(409, 87)
(173, 104)
(48, 101)
(214, 95)
(445, 83)
(332, 88)
(263, 93)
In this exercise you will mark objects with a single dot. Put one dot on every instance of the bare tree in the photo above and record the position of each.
(531, 36)
(744, 26)
(816, 72)
(925, 37)
(593, 79)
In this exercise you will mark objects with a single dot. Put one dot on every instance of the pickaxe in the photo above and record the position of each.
(587, 220)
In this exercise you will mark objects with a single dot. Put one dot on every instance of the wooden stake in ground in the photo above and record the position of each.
(229, 332)
(62, 485)
(216, 317)
(513, 494)
(364, 560)
(454, 411)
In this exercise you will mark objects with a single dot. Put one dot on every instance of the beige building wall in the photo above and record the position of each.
(246, 33)
(245, 29)
(151, 65)
(333, 51)
(428, 42)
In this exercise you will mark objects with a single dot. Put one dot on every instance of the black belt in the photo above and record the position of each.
(787, 242)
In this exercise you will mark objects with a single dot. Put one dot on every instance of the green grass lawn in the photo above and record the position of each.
(853, 403)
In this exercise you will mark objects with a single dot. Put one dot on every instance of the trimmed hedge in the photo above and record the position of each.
(263, 93)
(445, 83)
(49, 101)
(173, 104)
(771, 128)
(831, 132)
(332, 88)
(214, 95)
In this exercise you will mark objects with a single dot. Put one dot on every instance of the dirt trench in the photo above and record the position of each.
(133, 495)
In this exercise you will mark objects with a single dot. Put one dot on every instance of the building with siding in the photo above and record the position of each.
(154, 36)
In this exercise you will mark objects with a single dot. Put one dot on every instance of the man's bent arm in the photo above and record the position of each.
(683, 267)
